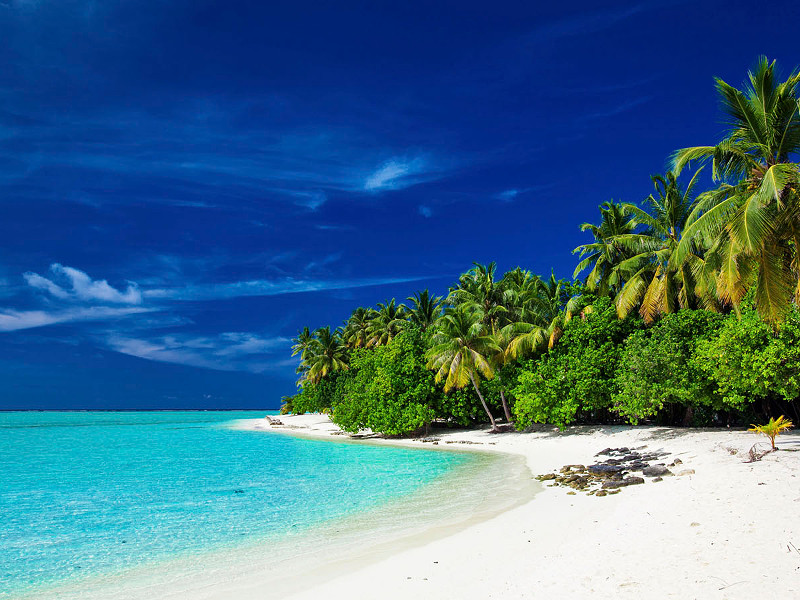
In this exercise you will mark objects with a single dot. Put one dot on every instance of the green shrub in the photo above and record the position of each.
(575, 380)
(749, 361)
(388, 389)
(318, 397)
(658, 369)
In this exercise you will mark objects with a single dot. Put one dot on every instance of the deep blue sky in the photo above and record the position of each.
(184, 184)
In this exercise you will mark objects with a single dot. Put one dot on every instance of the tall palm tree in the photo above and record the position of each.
(461, 352)
(325, 354)
(478, 290)
(751, 222)
(541, 310)
(388, 320)
(499, 359)
(657, 284)
(301, 343)
(357, 328)
(426, 309)
(608, 251)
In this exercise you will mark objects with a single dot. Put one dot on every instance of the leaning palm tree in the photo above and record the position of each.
(388, 320)
(613, 239)
(751, 221)
(357, 327)
(426, 309)
(461, 352)
(326, 354)
(656, 283)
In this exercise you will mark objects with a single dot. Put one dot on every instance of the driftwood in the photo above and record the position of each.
(755, 454)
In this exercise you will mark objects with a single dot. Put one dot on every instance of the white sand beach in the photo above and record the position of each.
(725, 529)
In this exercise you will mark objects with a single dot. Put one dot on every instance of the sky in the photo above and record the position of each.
(185, 184)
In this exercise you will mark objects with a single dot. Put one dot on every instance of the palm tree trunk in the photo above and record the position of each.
(687, 417)
(483, 402)
(505, 406)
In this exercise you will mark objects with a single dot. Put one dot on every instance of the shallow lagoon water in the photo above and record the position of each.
(97, 500)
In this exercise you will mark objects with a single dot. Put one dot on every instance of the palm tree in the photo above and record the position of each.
(357, 327)
(300, 345)
(656, 283)
(499, 359)
(426, 309)
(478, 290)
(301, 342)
(751, 222)
(542, 309)
(461, 352)
(388, 320)
(608, 251)
(326, 354)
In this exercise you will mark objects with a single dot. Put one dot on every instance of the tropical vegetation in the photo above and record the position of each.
(683, 308)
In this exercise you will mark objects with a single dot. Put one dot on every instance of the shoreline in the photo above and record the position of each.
(314, 553)
(726, 529)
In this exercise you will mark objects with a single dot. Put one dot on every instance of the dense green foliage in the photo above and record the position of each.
(661, 368)
(687, 312)
(576, 378)
(317, 397)
(389, 390)
(748, 361)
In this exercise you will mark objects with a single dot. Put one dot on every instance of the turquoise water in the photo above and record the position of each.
(85, 494)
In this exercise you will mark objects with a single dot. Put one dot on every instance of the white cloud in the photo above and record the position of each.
(324, 261)
(311, 200)
(328, 227)
(68, 283)
(507, 195)
(512, 194)
(13, 320)
(225, 165)
(42, 283)
(394, 174)
(240, 344)
(232, 351)
(262, 287)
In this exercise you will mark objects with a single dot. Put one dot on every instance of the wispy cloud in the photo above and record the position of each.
(68, 283)
(397, 174)
(72, 286)
(262, 287)
(324, 261)
(224, 165)
(14, 320)
(328, 227)
(512, 194)
(70, 295)
(583, 23)
(225, 352)
(507, 195)
(311, 200)
(617, 109)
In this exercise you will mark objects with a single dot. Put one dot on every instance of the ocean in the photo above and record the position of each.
(92, 502)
